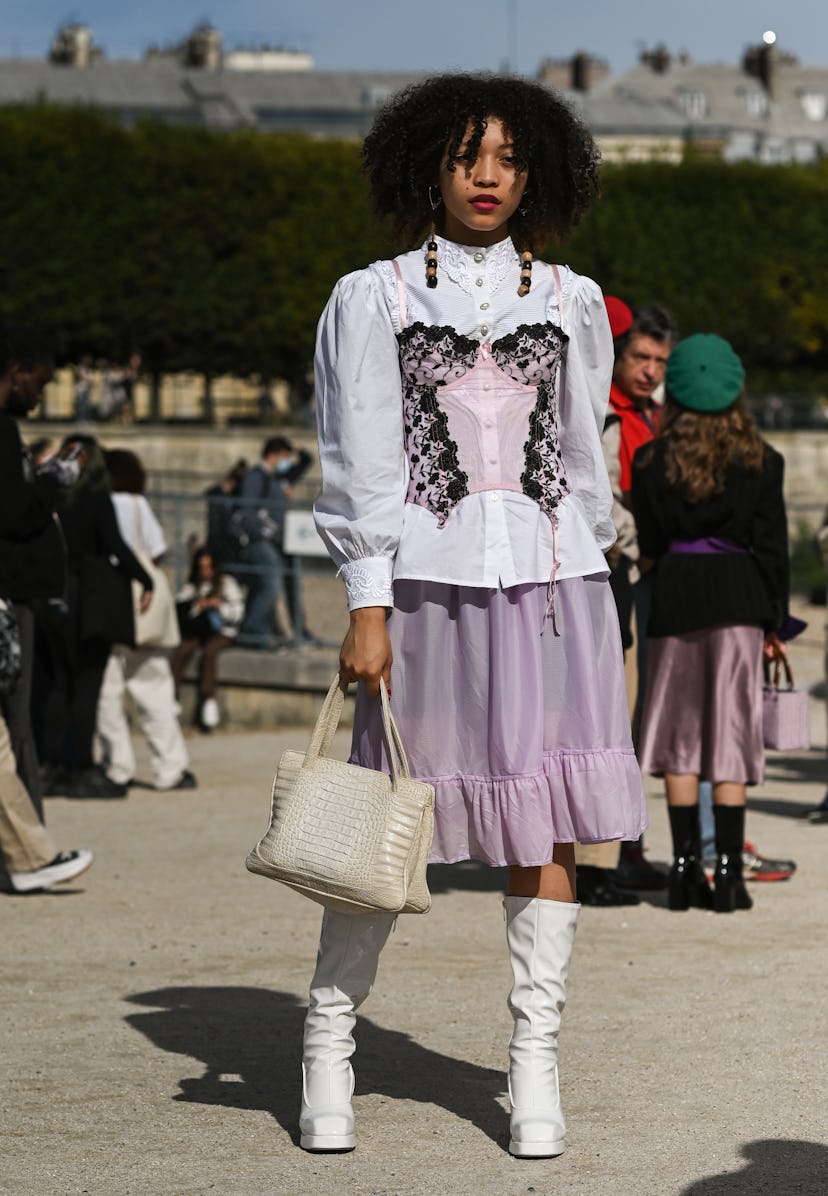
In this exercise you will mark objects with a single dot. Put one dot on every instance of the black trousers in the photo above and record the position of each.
(70, 686)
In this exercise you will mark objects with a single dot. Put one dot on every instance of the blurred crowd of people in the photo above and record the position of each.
(80, 550)
(695, 489)
(113, 398)
(87, 617)
(246, 513)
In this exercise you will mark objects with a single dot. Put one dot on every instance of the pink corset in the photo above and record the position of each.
(481, 416)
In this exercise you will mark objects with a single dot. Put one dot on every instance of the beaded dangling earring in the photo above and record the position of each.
(431, 260)
(525, 273)
(431, 245)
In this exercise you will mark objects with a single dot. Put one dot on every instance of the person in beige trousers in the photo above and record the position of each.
(28, 850)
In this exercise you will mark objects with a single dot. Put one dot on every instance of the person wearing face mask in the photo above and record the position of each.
(32, 557)
(264, 492)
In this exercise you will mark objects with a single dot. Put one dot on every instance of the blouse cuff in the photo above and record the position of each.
(368, 582)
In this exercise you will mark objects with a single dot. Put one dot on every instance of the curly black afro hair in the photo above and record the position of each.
(411, 133)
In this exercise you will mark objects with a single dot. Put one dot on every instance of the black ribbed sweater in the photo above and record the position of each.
(694, 591)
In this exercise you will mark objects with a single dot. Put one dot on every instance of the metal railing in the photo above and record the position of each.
(227, 525)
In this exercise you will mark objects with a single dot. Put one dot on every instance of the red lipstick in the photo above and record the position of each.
(484, 203)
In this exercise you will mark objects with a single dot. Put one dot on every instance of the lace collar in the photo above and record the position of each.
(459, 264)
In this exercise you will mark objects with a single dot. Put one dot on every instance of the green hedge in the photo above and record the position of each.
(216, 252)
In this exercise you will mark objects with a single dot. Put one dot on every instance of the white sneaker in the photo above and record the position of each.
(210, 713)
(65, 866)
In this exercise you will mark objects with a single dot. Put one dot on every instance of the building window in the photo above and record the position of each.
(693, 103)
(756, 102)
(813, 104)
(375, 95)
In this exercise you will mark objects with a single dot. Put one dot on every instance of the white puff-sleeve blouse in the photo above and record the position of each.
(493, 538)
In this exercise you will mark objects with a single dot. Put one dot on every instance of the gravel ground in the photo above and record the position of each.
(150, 1017)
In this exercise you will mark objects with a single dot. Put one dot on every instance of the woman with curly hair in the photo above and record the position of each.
(461, 391)
(709, 509)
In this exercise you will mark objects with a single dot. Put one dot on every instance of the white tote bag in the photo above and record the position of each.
(157, 627)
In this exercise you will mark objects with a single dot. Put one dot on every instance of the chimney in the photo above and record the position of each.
(72, 46)
(581, 69)
(760, 63)
(203, 48)
(658, 60)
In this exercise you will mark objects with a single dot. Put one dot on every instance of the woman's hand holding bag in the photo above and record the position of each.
(785, 717)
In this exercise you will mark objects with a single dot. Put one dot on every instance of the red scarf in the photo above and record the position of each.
(637, 427)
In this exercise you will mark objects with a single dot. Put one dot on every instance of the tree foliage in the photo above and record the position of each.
(216, 251)
(738, 250)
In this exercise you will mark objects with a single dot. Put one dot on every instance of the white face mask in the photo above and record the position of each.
(282, 467)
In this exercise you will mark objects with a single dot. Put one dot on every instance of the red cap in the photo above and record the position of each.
(620, 316)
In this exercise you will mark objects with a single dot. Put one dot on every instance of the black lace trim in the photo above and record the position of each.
(543, 477)
(531, 354)
(435, 354)
(440, 482)
(432, 356)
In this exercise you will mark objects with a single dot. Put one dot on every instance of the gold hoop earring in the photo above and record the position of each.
(435, 203)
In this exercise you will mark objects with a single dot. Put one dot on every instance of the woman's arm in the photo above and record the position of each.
(769, 535)
(585, 385)
(110, 539)
(652, 540)
(359, 511)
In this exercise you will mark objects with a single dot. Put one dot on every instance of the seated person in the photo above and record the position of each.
(210, 609)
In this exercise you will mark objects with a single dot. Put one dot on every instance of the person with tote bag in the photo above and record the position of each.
(710, 512)
(461, 389)
(143, 671)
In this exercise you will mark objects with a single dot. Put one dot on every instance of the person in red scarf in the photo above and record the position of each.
(643, 338)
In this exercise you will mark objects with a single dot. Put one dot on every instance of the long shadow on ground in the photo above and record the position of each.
(777, 1167)
(249, 1040)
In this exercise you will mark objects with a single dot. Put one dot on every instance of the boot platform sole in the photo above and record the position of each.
(328, 1143)
(536, 1150)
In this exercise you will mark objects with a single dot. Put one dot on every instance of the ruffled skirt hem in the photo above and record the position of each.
(579, 797)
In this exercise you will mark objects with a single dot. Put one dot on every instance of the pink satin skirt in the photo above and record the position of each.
(703, 706)
(525, 737)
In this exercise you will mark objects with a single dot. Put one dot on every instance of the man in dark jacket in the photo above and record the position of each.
(32, 562)
(264, 491)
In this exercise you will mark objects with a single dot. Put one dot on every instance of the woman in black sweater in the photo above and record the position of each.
(710, 513)
(98, 614)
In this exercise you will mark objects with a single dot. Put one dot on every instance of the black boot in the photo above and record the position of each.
(687, 883)
(731, 893)
(595, 886)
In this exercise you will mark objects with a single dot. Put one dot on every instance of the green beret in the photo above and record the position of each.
(704, 373)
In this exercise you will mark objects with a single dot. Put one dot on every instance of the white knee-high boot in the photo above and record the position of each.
(540, 934)
(349, 949)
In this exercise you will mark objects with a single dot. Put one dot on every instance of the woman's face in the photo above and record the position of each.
(481, 196)
(205, 568)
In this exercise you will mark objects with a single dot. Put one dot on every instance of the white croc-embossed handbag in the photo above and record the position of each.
(349, 837)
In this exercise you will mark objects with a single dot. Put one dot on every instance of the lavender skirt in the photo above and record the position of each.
(703, 706)
(525, 737)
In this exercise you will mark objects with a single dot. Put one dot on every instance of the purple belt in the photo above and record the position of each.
(707, 545)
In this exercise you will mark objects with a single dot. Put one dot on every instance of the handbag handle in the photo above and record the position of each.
(778, 664)
(328, 721)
